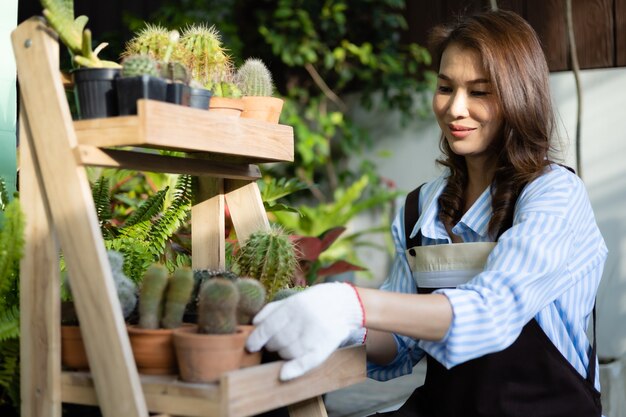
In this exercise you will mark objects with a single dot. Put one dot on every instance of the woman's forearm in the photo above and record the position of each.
(422, 316)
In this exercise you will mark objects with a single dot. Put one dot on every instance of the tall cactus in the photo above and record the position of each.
(251, 299)
(217, 307)
(151, 296)
(270, 257)
(254, 78)
(179, 288)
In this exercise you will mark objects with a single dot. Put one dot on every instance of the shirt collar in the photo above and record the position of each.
(476, 218)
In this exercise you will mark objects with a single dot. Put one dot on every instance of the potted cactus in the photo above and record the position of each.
(139, 79)
(93, 78)
(255, 82)
(216, 344)
(162, 301)
(251, 299)
(268, 256)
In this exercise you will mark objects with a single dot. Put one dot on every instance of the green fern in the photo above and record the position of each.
(148, 209)
(10, 323)
(11, 250)
(10, 372)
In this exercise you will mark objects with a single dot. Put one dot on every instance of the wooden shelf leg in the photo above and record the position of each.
(207, 225)
(246, 207)
(313, 407)
(40, 345)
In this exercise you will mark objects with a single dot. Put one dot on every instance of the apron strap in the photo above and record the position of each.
(411, 215)
(591, 372)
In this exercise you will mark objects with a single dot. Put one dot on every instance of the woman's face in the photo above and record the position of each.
(464, 104)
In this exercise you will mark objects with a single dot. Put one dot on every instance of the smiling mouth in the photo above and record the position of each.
(461, 131)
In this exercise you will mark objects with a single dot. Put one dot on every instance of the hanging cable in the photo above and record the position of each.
(576, 70)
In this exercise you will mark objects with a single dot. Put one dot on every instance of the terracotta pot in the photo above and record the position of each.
(249, 358)
(153, 350)
(226, 106)
(205, 357)
(266, 109)
(73, 354)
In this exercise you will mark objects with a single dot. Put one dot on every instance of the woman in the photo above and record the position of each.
(499, 280)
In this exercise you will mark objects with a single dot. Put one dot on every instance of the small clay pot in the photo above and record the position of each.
(249, 358)
(73, 354)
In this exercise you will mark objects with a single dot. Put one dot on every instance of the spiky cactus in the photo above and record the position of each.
(126, 288)
(175, 72)
(254, 78)
(153, 40)
(251, 299)
(286, 292)
(270, 257)
(73, 34)
(142, 64)
(202, 52)
(179, 288)
(153, 287)
(217, 307)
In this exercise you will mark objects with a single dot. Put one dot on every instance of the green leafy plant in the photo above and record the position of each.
(11, 251)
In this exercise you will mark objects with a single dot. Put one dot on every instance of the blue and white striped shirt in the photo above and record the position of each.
(547, 266)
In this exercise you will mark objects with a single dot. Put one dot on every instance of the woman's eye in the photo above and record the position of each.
(444, 89)
(480, 93)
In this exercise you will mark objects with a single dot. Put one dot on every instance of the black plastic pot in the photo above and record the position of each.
(131, 89)
(178, 93)
(200, 98)
(94, 91)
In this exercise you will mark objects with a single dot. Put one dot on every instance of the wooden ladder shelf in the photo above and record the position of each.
(60, 215)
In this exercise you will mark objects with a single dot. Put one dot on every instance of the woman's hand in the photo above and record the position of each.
(308, 326)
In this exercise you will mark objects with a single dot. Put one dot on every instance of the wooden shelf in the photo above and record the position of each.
(239, 393)
(170, 126)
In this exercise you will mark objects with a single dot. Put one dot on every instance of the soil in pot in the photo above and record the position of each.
(131, 89)
(73, 354)
(95, 93)
(153, 350)
(266, 109)
(205, 357)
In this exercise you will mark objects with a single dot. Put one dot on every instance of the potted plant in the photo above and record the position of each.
(140, 79)
(255, 81)
(216, 344)
(94, 78)
(162, 301)
(268, 256)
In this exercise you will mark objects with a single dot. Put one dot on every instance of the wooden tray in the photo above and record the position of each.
(239, 393)
(169, 126)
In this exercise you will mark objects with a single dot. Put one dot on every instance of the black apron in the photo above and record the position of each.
(530, 378)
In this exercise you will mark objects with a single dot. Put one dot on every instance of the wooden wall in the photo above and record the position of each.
(599, 26)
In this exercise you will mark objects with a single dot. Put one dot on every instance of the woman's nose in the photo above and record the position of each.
(458, 105)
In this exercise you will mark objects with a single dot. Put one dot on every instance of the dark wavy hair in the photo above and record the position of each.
(516, 65)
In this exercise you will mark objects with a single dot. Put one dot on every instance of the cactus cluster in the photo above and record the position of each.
(217, 307)
(163, 298)
(270, 257)
(254, 78)
(251, 299)
(142, 64)
(126, 289)
(286, 292)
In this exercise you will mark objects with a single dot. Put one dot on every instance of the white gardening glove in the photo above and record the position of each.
(308, 326)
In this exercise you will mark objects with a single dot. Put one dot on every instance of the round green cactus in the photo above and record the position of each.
(179, 288)
(217, 307)
(136, 65)
(153, 40)
(270, 257)
(251, 299)
(254, 78)
(153, 287)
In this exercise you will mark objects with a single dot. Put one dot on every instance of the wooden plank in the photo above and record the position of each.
(313, 407)
(208, 227)
(246, 208)
(257, 389)
(594, 33)
(169, 126)
(40, 317)
(69, 197)
(548, 19)
(164, 394)
(141, 161)
(620, 33)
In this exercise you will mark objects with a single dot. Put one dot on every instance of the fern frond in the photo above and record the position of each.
(101, 192)
(10, 323)
(148, 209)
(11, 250)
(174, 216)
